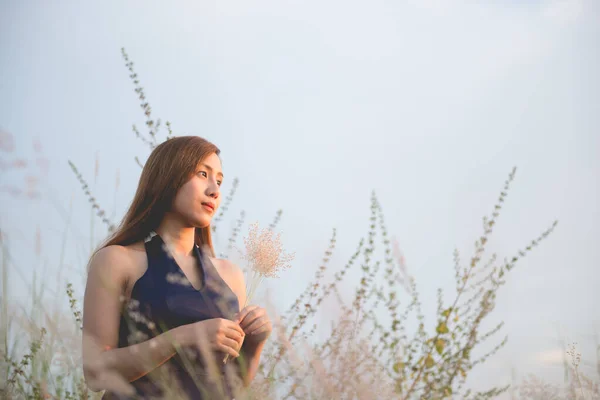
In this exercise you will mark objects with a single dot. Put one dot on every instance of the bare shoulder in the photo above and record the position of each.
(119, 264)
(231, 273)
(228, 268)
(114, 257)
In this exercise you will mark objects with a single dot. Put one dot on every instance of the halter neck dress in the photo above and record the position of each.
(163, 299)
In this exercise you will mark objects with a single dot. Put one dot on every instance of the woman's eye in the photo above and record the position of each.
(219, 183)
(203, 173)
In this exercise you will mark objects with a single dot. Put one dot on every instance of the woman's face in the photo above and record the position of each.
(199, 198)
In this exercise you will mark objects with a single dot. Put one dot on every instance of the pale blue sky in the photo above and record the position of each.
(316, 103)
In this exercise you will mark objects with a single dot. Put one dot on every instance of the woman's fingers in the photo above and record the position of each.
(234, 344)
(266, 327)
(257, 323)
(248, 313)
(235, 334)
(254, 319)
(230, 325)
(228, 350)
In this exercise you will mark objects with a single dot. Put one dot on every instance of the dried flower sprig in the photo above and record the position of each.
(153, 125)
(264, 252)
(73, 304)
(85, 187)
(265, 257)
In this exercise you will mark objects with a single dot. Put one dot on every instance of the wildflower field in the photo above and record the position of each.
(379, 345)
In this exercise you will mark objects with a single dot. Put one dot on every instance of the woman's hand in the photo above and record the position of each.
(255, 323)
(216, 334)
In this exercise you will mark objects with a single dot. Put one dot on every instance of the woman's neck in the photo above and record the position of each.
(178, 237)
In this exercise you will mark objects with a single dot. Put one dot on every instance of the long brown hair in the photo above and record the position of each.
(170, 165)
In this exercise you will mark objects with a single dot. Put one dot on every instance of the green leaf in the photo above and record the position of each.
(429, 361)
(442, 328)
(440, 344)
(447, 312)
(398, 388)
(466, 353)
(398, 367)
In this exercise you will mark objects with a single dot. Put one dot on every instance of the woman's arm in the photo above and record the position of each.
(104, 365)
(250, 318)
(252, 347)
(103, 300)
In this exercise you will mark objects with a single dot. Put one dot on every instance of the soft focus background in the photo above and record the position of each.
(314, 104)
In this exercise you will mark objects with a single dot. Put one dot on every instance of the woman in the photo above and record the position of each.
(160, 310)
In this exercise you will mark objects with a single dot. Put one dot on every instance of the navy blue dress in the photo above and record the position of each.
(163, 299)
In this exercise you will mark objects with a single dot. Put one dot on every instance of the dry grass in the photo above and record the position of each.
(369, 351)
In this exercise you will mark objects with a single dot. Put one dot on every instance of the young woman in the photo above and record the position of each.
(160, 310)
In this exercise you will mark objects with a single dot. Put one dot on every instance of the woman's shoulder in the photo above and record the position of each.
(117, 252)
(230, 273)
(228, 267)
(118, 261)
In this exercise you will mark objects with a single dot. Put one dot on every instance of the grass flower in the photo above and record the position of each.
(380, 346)
(265, 257)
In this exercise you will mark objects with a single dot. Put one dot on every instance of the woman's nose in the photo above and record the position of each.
(214, 190)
